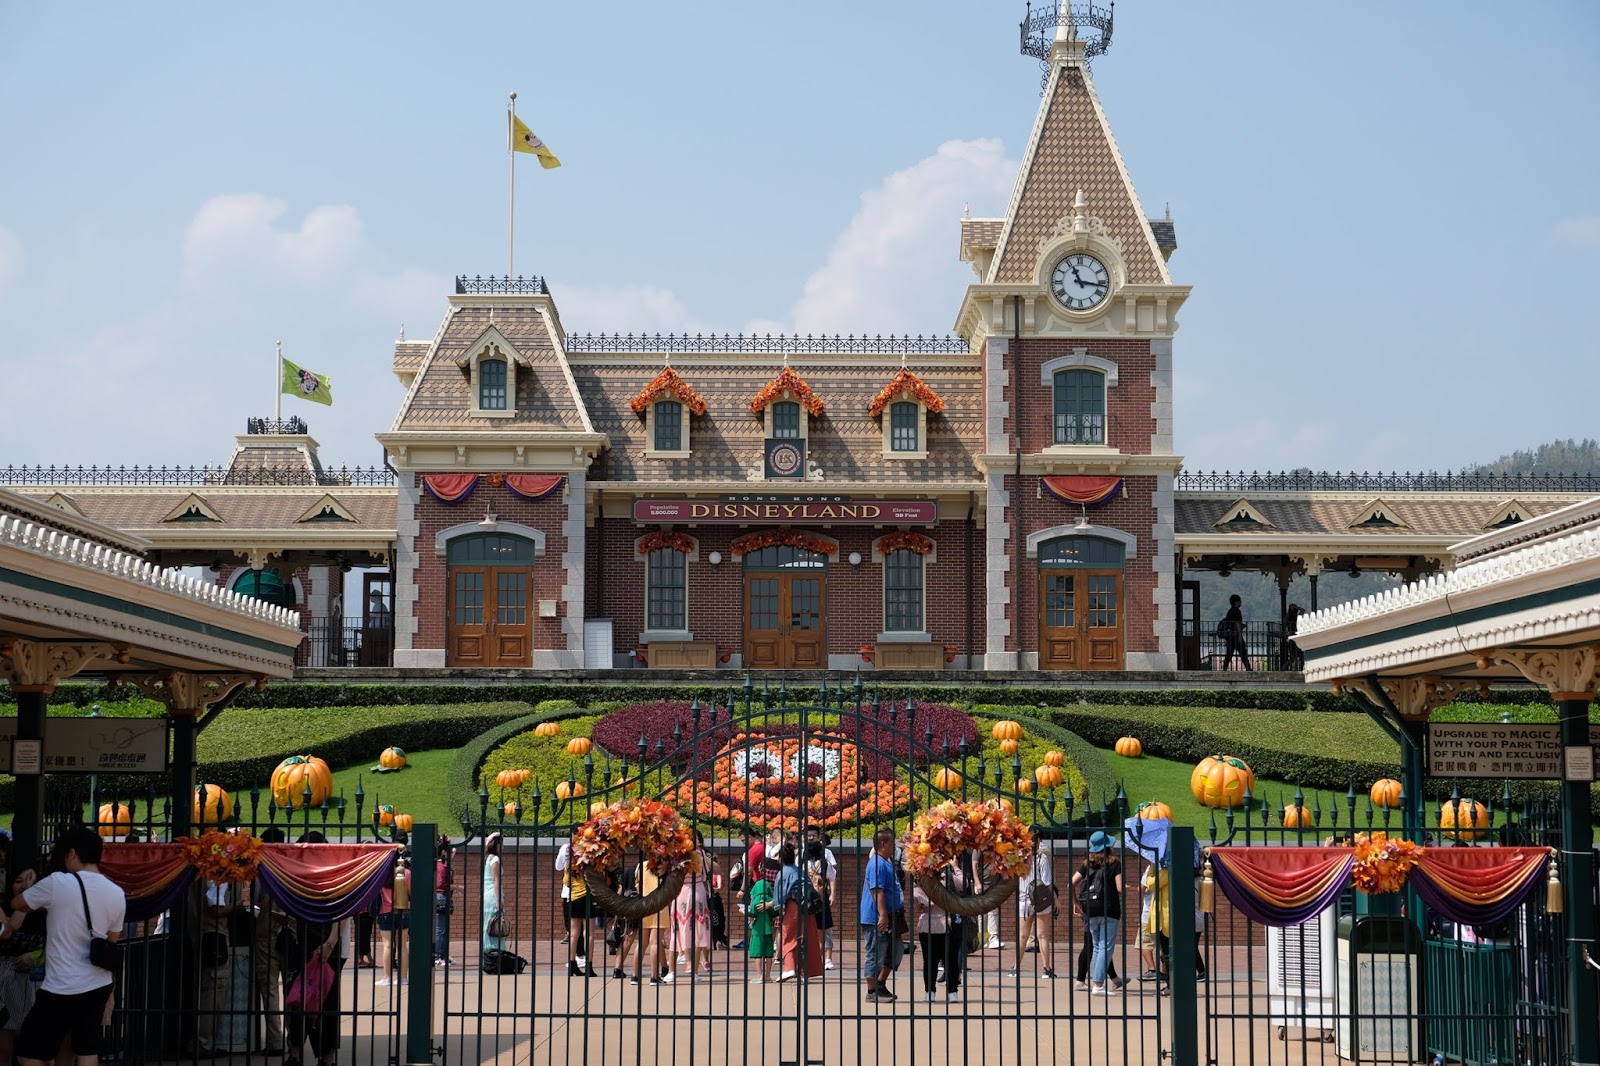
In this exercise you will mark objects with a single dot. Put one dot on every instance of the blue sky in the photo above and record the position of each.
(1392, 223)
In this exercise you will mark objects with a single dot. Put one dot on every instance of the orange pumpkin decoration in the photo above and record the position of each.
(1465, 819)
(579, 746)
(1297, 817)
(1010, 808)
(1129, 747)
(1222, 781)
(1025, 786)
(212, 805)
(1055, 758)
(1008, 747)
(392, 758)
(1154, 810)
(522, 776)
(947, 780)
(295, 774)
(116, 819)
(1386, 793)
(1007, 730)
(507, 779)
(547, 729)
(404, 822)
(384, 814)
(510, 809)
(1049, 775)
(566, 790)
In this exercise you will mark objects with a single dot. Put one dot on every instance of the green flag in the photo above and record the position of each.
(297, 381)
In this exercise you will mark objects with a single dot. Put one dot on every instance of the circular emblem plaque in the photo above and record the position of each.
(785, 460)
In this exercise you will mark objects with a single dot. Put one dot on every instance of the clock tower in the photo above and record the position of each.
(1074, 313)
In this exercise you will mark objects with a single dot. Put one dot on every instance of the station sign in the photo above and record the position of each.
(88, 746)
(794, 511)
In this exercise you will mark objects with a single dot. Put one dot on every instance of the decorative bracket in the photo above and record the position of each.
(1569, 673)
(38, 665)
(188, 695)
(1414, 697)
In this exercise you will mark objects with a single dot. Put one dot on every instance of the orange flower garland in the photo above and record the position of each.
(913, 541)
(1382, 864)
(649, 825)
(665, 382)
(906, 381)
(790, 382)
(768, 538)
(939, 836)
(666, 539)
(228, 858)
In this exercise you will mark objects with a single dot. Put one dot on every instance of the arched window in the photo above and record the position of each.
(904, 417)
(786, 419)
(784, 557)
(492, 384)
(265, 585)
(1091, 553)
(668, 418)
(490, 549)
(1080, 407)
(666, 590)
(902, 591)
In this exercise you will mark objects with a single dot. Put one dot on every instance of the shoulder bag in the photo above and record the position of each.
(308, 991)
(102, 952)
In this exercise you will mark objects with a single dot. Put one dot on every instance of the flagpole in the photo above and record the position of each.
(511, 189)
(278, 387)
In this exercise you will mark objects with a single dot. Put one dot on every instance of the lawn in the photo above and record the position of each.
(1151, 778)
(418, 790)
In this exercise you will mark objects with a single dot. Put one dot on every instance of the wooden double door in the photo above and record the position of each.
(489, 620)
(784, 620)
(1080, 619)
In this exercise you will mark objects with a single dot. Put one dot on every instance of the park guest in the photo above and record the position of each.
(20, 952)
(319, 1023)
(266, 963)
(493, 898)
(799, 938)
(691, 913)
(654, 929)
(1032, 918)
(762, 941)
(443, 903)
(575, 902)
(1232, 631)
(1097, 886)
(755, 853)
(939, 933)
(393, 920)
(820, 857)
(881, 900)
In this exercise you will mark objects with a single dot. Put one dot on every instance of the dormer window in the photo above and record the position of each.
(785, 420)
(667, 404)
(668, 429)
(492, 384)
(904, 405)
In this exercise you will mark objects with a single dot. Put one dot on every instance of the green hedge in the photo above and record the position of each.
(461, 782)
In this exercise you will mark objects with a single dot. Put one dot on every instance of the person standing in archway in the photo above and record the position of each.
(1231, 629)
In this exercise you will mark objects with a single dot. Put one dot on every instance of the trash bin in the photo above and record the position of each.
(1379, 956)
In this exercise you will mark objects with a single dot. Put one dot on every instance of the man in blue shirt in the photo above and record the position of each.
(881, 901)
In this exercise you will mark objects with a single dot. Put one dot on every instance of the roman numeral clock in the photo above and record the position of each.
(1080, 282)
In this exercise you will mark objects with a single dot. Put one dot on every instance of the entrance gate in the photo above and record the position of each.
(840, 766)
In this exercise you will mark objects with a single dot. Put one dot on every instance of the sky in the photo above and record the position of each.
(1392, 224)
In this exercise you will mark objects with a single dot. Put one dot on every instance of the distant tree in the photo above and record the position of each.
(1557, 457)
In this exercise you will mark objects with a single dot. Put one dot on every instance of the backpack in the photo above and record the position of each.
(818, 874)
(498, 962)
(1095, 895)
(807, 896)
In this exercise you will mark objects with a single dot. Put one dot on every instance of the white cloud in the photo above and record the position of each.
(1580, 231)
(894, 268)
(629, 308)
(239, 232)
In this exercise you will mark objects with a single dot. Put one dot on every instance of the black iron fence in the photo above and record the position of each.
(347, 476)
(1254, 646)
(1308, 481)
(767, 344)
(334, 641)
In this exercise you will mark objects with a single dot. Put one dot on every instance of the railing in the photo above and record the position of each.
(1266, 647)
(501, 286)
(348, 642)
(1200, 481)
(290, 425)
(764, 344)
(346, 476)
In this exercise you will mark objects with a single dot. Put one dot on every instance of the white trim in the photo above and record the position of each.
(407, 563)
(649, 635)
(1129, 542)
(886, 428)
(442, 538)
(909, 636)
(1079, 359)
(574, 563)
(650, 449)
(997, 556)
(996, 379)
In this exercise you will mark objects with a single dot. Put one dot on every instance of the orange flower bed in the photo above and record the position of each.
(774, 781)
(906, 381)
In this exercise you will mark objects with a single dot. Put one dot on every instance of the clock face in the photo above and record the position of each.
(1080, 282)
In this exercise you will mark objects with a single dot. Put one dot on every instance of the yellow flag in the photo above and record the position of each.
(523, 140)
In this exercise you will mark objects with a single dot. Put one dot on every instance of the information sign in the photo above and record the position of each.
(89, 746)
(1524, 750)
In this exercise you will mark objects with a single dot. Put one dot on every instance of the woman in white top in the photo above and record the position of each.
(493, 902)
(1038, 916)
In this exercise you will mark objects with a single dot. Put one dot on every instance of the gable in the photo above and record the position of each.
(1072, 148)
(1508, 513)
(1242, 516)
(193, 508)
(326, 509)
(62, 502)
(1379, 515)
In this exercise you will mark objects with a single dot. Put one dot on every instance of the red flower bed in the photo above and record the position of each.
(879, 734)
(619, 731)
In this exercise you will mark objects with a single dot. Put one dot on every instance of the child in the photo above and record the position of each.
(763, 944)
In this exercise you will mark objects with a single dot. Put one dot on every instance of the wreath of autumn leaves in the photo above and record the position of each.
(1383, 863)
(790, 382)
(665, 382)
(915, 542)
(667, 539)
(939, 836)
(792, 538)
(224, 857)
(649, 825)
(906, 382)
